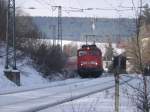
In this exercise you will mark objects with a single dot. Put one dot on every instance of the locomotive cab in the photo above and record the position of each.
(89, 61)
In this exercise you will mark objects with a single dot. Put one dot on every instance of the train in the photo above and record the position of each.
(89, 61)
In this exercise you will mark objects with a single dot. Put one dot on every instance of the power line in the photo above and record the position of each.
(21, 3)
(45, 4)
(85, 9)
(79, 3)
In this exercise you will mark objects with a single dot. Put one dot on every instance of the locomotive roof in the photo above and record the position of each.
(89, 46)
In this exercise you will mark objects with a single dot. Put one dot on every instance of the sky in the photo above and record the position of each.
(70, 8)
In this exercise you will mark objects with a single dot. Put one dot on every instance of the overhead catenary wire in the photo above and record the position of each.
(47, 3)
(69, 10)
(43, 3)
(18, 5)
(75, 9)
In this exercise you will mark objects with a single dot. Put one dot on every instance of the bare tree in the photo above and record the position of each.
(132, 51)
(48, 58)
(108, 56)
(70, 49)
(137, 52)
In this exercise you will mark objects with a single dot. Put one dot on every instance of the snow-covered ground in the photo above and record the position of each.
(29, 76)
(37, 93)
(101, 102)
(36, 100)
(4, 82)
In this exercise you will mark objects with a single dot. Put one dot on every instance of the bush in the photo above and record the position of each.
(48, 58)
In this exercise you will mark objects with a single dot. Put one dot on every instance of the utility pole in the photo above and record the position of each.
(119, 66)
(93, 29)
(90, 36)
(86, 37)
(117, 87)
(11, 71)
(116, 73)
(93, 25)
(53, 27)
(59, 24)
(54, 35)
(10, 36)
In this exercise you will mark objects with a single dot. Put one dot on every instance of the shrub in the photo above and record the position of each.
(48, 58)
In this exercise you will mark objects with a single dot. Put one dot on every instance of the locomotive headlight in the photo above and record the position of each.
(81, 64)
(96, 63)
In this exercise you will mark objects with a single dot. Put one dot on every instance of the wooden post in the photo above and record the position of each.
(119, 66)
(116, 91)
(116, 67)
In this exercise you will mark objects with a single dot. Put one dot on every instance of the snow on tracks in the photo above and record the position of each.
(40, 99)
(44, 86)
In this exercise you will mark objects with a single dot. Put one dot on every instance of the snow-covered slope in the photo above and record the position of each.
(4, 82)
(29, 75)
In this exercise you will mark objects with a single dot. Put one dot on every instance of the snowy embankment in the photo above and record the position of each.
(29, 76)
(4, 82)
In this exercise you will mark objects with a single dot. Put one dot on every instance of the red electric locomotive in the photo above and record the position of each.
(89, 61)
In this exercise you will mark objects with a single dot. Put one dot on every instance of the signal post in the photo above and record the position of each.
(119, 66)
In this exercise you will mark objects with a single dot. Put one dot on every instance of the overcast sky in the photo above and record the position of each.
(111, 7)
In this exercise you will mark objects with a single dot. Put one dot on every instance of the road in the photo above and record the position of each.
(37, 99)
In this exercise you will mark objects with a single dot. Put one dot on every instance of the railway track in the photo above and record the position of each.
(59, 94)
(70, 87)
(76, 97)
(61, 83)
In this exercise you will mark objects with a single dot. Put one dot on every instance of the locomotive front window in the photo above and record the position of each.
(95, 53)
(82, 53)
